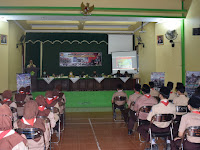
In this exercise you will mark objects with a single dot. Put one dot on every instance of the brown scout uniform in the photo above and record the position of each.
(43, 111)
(182, 100)
(172, 95)
(132, 99)
(50, 102)
(30, 113)
(191, 143)
(9, 140)
(154, 92)
(160, 108)
(145, 100)
(119, 93)
(7, 95)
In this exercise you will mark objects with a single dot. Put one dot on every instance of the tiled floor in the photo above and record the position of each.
(96, 131)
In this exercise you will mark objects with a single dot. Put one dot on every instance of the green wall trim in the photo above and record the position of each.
(183, 50)
(96, 8)
(101, 15)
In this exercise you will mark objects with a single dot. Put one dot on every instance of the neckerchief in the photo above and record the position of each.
(41, 108)
(49, 100)
(55, 97)
(28, 121)
(6, 99)
(196, 112)
(21, 92)
(165, 102)
(3, 134)
(147, 95)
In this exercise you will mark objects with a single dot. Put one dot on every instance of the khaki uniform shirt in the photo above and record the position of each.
(190, 119)
(182, 100)
(160, 108)
(154, 92)
(172, 96)
(144, 101)
(132, 99)
(119, 93)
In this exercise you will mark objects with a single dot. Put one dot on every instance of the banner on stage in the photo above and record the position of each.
(80, 59)
(23, 80)
(158, 78)
(192, 82)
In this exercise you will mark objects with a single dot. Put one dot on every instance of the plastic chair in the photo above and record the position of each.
(118, 98)
(55, 110)
(161, 118)
(31, 133)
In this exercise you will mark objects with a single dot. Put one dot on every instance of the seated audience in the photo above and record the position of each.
(163, 107)
(119, 104)
(7, 95)
(44, 112)
(145, 100)
(188, 120)
(153, 92)
(20, 99)
(131, 102)
(50, 102)
(178, 85)
(172, 95)
(9, 139)
(181, 100)
(29, 120)
(28, 93)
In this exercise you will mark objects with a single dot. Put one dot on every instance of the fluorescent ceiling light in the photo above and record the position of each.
(107, 26)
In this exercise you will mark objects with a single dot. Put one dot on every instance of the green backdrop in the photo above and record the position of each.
(51, 51)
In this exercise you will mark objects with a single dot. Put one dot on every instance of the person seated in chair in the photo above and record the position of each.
(20, 98)
(181, 100)
(153, 92)
(44, 112)
(172, 95)
(28, 93)
(145, 100)
(163, 107)
(9, 139)
(7, 95)
(131, 102)
(119, 104)
(30, 120)
(188, 120)
(178, 85)
(50, 102)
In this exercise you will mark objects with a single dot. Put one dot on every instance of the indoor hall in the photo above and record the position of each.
(77, 48)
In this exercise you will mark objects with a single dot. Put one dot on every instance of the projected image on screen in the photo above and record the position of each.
(124, 62)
